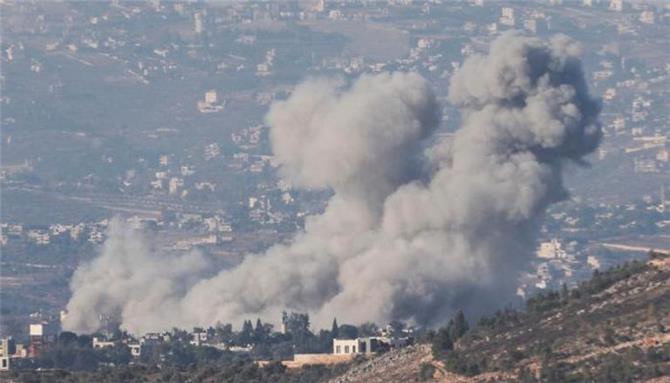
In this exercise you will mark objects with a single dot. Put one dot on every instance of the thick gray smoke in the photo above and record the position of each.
(393, 242)
(129, 282)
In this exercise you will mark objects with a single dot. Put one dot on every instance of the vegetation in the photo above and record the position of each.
(224, 371)
(426, 371)
(73, 359)
(611, 308)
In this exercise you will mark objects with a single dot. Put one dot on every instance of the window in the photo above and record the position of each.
(338, 349)
(353, 349)
(346, 349)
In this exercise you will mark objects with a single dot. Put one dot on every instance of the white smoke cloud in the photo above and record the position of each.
(129, 282)
(393, 242)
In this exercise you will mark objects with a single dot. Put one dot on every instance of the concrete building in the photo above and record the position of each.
(198, 23)
(199, 337)
(135, 349)
(536, 25)
(507, 17)
(647, 17)
(211, 96)
(551, 250)
(99, 343)
(42, 336)
(174, 185)
(616, 5)
(4, 363)
(210, 103)
(368, 345)
(7, 349)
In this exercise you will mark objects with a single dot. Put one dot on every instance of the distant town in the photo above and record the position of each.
(152, 111)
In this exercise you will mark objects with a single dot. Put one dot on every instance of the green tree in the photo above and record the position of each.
(246, 335)
(459, 326)
(334, 330)
(442, 342)
(347, 331)
(67, 339)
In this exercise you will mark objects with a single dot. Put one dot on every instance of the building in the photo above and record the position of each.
(199, 337)
(616, 5)
(211, 96)
(210, 103)
(174, 185)
(198, 23)
(507, 17)
(42, 336)
(135, 349)
(4, 363)
(536, 25)
(368, 345)
(647, 17)
(551, 250)
(7, 349)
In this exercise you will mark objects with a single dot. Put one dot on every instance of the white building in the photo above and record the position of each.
(99, 343)
(39, 237)
(368, 345)
(616, 5)
(174, 185)
(135, 349)
(507, 17)
(198, 27)
(211, 96)
(647, 17)
(211, 103)
(187, 170)
(4, 363)
(551, 250)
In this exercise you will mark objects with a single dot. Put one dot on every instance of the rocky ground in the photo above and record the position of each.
(618, 333)
(402, 365)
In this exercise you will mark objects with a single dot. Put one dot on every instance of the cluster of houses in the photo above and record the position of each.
(44, 335)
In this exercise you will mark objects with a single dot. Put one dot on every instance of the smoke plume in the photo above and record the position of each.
(408, 234)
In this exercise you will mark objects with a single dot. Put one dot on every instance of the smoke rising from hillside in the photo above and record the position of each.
(408, 234)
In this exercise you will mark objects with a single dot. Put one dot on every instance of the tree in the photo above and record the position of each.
(246, 335)
(334, 331)
(261, 332)
(396, 327)
(85, 341)
(368, 329)
(348, 331)
(459, 326)
(67, 339)
(442, 342)
(565, 294)
(296, 323)
(426, 372)
(224, 332)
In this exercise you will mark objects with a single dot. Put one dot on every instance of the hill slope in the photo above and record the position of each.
(615, 327)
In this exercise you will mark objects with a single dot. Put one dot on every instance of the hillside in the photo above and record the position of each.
(615, 327)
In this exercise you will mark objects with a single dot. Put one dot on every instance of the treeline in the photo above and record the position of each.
(222, 346)
(298, 338)
(442, 343)
(224, 371)
(599, 282)
(458, 360)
